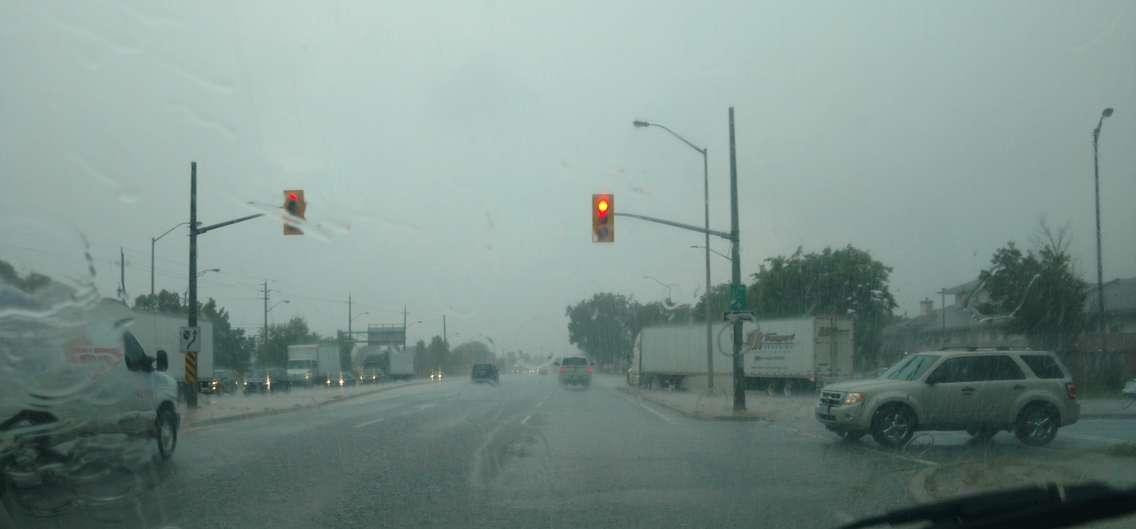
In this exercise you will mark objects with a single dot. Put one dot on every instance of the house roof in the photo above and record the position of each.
(964, 288)
(1119, 296)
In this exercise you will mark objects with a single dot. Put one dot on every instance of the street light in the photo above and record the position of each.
(1100, 266)
(665, 285)
(713, 251)
(153, 242)
(706, 217)
(201, 273)
(357, 316)
(277, 304)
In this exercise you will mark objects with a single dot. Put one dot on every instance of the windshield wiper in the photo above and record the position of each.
(1049, 506)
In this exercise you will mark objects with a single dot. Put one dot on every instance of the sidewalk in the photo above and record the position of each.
(213, 409)
(720, 405)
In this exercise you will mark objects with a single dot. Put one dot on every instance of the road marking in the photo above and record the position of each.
(526, 419)
(370, 422)
(655, 412)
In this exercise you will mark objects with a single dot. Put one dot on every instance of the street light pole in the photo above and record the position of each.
(1100, 266)
(153, 243)
(706, 214)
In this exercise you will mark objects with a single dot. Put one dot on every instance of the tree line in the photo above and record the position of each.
(849, 282)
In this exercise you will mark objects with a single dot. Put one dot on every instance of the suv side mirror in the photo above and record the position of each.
(932, 379)
(163, 361)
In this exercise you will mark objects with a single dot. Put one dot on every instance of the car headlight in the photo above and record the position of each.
(853, 398)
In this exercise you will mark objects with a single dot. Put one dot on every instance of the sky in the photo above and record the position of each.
(448, 150)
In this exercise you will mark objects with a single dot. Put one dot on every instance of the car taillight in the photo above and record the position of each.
(563, 370)
(1071, 390)
(589, 370)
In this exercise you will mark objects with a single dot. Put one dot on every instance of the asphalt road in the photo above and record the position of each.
(525, 453)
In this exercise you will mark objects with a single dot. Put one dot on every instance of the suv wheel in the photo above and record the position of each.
(893, 425)
(167, 432)
(1037, 424)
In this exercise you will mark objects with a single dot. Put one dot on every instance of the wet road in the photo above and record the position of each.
(525, 453)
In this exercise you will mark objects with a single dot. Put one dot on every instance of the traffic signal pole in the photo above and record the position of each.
(737, 290)
(194, 231)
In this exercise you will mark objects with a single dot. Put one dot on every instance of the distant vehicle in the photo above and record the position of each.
(575, 371)
(269, 380)
(542, 371)
(156, 331)
(674, 356)
(368, 363)
(401, 365)
(436, 375)
(980, 391)
(222, 381)
(313, 364)
(484, 373)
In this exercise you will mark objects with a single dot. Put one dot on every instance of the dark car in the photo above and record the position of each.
(266, 380)
(484, 373)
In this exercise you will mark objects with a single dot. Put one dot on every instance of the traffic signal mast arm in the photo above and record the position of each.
(699, 229)
(204, 229)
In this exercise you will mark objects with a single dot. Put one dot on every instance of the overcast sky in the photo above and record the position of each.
(448, 151)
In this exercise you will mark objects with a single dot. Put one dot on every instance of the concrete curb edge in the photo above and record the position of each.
(693, 415)
(299, 407)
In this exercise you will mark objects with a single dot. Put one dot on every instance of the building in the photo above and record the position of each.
(956, 325)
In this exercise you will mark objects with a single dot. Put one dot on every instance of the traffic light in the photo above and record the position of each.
(295, 206)
(603, 218)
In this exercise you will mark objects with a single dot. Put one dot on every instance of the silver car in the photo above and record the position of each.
(979, 391)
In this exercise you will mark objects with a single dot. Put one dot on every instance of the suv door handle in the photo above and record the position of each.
(967, 390)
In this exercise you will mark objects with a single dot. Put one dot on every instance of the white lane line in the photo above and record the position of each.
(655, 412)
(370, 422)
(526, 419)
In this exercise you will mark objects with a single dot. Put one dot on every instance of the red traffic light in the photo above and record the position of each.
(603, 218)
(295, 206)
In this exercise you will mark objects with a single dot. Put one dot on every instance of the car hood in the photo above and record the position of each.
(868, 385)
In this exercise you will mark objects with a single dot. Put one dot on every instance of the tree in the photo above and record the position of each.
(603, 326)
(422, 362)
(466, 354)
(437, 353)
(719, 300)
(280, 336)
(1037, 291)
(844, 282)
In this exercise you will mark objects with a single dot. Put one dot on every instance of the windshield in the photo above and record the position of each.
(533, 264)
(910, 368)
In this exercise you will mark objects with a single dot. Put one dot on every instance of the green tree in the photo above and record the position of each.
(604, 326)
(437, 353)
(466, 354)
(422, 362)
(719, 300)
(1037, 291)
(845, 282)
(280, 336)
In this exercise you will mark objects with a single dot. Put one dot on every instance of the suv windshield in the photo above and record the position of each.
(911, 368)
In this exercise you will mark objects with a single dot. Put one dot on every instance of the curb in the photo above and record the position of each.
(279, 411)
(1119, 416)
(692, 415)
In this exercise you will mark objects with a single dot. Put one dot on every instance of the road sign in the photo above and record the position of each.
(737, 298)
(189, 340)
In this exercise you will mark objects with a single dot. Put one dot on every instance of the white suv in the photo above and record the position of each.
(980, 391)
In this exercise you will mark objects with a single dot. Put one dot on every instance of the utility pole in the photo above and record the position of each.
(194, 231)
(349, 334)
(121, 274)
(264, 294)
(404, 328)
(444, 339)
(737, 291)
(191, 357)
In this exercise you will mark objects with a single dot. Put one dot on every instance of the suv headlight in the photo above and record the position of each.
(853, 398)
